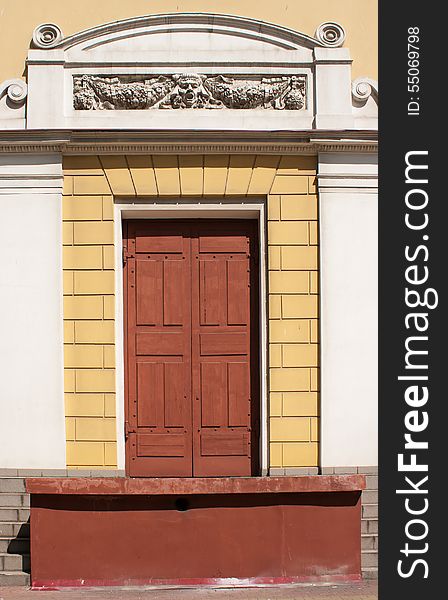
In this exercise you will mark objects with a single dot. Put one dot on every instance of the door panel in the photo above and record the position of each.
(159, 351)
(192, 348)
(222, 350)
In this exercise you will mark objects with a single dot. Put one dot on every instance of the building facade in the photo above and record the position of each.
(189, 248)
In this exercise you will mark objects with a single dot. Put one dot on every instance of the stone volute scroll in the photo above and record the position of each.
(330, 34)
(47, 35)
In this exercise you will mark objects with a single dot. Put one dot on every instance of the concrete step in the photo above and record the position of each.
(369, 541)
(14, 562)
(369, 526)
(13, 485)
(14, 545)
(14, 578)
(369, 558)
(14, 529)
(9, 514)
(14, 500)
(370, 573)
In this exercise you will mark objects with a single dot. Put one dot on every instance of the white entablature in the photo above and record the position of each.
(191, 71)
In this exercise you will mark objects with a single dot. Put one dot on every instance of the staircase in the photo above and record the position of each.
(14, 532)
(369, 528)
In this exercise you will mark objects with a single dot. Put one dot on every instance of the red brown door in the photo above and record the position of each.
(192, 348)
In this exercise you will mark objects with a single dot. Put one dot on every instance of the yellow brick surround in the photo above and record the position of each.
(90, 185)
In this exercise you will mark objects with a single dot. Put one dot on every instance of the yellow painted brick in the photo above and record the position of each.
(118, 175)
(314, 282)
(110, 449)
(273, 208)
(67, 282)
(94, 232)
(314, 331)
(315, 380)
(297, 258)
(96, 429)
(301, 306)
(301, 454)
(94, 332)
(94, 282)
(312, 184)
(142, 172)
(315, 430)
(69, 428)
(95, 380)
(108, 257)
(275, 404)
(215, 174)
(85, 454)
(299, 208)
(290, 429)
(109, 307)
(81, 165)
(263, 174)
(290, 330)
(240, 173)
(109, 405)
(297, 165)
(83, 307)
(167, 175)
(84, 405)
(313, 233)
(67, 187)
(69, 380)
(191, 175)
(83, 356)
(82, 208)
(275, 307)
(90, 185)
(275, 455)
(290, 184)
(82, 257)
(300, 404)
(69, 332)
(109, 357)
(108, 208)
(289, 380)
(274, 258)
(67, 233)
(275, 355)
(287, 232)
(288, 282)
(300, 355)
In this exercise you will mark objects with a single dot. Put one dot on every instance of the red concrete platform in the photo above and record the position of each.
(117, 531)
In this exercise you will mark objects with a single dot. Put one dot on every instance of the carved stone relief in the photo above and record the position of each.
(189, 90)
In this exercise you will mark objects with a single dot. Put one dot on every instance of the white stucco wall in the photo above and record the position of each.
(32, 430)
(349, 309)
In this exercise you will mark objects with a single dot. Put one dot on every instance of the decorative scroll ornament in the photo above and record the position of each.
(47, 35)
(188, 90)
(330, 34)
(15, 89)
(363, 88)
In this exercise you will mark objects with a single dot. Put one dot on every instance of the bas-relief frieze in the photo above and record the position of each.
(189, 90)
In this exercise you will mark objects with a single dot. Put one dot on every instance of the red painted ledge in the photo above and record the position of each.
(161, 486)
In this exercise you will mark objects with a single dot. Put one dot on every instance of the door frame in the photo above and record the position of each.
(160, 208)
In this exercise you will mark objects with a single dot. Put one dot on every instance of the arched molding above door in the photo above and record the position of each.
(191, 71)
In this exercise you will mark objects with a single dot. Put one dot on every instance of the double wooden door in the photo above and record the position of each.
(191, 343)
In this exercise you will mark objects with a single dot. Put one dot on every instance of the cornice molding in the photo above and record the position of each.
(135, 142)
(49, 35)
